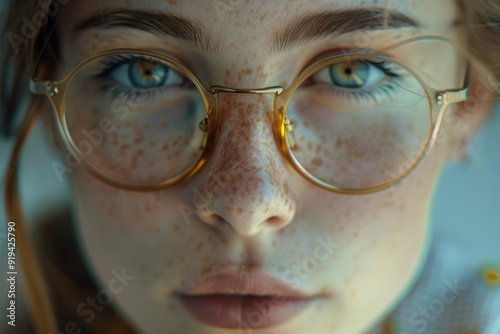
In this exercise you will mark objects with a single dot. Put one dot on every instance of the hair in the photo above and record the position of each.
(30, 28)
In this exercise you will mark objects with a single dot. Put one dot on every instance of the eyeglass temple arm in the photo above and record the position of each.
(456, 95)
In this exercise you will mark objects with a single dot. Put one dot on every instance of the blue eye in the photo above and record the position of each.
(146, 74)
(352, 74)
(131, 71)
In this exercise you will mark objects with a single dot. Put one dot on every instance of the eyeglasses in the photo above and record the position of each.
(353, 122)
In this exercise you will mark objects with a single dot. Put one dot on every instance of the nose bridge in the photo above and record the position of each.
(246, 186)
(246, 134)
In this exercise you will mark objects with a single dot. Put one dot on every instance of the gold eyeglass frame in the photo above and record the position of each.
(282, 128)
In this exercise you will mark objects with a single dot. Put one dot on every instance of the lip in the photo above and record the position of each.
(248, 299)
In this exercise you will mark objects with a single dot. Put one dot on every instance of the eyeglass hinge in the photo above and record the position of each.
(45, 88)
(442, 98)
(452, 96)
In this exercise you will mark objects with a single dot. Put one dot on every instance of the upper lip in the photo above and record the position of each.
(251, 282)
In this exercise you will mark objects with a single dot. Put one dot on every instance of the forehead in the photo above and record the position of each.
(240, 35)
(231, 21)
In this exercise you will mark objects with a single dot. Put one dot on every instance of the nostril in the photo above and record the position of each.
(212, 219)
(275, 220)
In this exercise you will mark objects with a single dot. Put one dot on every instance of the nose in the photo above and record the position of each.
(246, 187)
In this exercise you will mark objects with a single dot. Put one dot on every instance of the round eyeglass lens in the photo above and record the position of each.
(135, 119)
(359, 122)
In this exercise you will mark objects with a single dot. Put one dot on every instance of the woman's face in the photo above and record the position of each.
(247, 242)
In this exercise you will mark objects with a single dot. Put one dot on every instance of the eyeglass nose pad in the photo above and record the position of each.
(203, 126)
(289, 132)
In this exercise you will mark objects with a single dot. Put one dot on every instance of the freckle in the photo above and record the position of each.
(317, 161)
(205, 270)
(111, 209)
(175, 227)
(353, 292)
(133, 164)
(199, 246)
(164, 124)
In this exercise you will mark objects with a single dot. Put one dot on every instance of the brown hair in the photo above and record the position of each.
(30, 29)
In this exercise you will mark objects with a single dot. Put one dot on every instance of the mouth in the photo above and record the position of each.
(243, 300)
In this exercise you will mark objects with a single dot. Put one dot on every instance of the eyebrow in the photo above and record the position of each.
(306, 28)
(311, 27)
(153, 22)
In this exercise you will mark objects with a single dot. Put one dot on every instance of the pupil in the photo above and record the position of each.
(146, 74)
(348, 71)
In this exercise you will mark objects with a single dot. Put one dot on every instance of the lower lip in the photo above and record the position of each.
(229, 311)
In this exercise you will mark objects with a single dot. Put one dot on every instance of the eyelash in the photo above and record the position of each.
(116, 92)
(387, 87)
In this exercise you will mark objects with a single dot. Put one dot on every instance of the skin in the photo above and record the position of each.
(265, 215)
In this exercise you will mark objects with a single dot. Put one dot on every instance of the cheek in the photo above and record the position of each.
(151, 234)
(103, 206)
(377, 241)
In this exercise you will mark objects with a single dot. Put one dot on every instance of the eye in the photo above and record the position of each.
(352, 74)
(145, 74)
